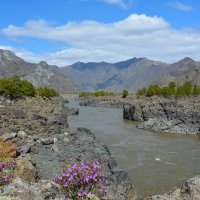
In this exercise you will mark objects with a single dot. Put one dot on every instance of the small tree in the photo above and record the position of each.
(172, 86)
(196, 90)
(179, 91)
(141, 92)
(125, 93)
(167, 91)
(46, 92)
(187, 88)
(154, 90)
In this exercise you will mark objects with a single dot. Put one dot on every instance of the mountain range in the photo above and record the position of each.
(131, 74)
(92, 76)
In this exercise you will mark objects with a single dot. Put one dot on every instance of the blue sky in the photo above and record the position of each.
(66, 31)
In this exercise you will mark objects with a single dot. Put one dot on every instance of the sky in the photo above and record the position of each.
(62, 32)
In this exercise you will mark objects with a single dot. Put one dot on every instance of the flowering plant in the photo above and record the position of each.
(6, 172)
(83, 180)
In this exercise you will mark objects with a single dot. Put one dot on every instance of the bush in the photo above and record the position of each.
(82, 180)
(154, 90)
(196, 90)
(46, 92)
(187, 88)
(167, 91)
(14, 87)
(141, 92)
(125, 93)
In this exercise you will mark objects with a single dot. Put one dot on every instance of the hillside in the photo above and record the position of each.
(185, 69)
(40, 74)
(130, 74)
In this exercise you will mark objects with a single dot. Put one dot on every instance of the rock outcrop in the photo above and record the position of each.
(165, 115)
(45, 145)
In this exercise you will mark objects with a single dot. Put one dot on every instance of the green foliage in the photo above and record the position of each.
(47, 92)
(141, 92)
(179, 91)
(172, 85)
(196, 90)
(167, 91)
(154, 90)
(15, 87)
(96, 94)
(125, 93)
(187, 88)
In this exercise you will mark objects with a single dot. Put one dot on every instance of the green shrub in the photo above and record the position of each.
(47, 92)
(15, 87)
(154, 90)
(196, 90)
(141, 92)
(125, 93)
(187, 88)
(167, 91)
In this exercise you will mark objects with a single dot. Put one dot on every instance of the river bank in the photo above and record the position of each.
(169, 115)
(45, 143)
(163, 159)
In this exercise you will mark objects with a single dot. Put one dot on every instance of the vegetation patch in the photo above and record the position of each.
(184, 90)
(47, 92)
(96, 94)
(83, 180)
(14, 87)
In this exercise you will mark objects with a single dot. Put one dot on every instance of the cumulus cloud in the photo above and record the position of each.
(181, 6)
(137, 35)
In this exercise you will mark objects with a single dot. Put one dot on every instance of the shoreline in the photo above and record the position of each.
(45, 143)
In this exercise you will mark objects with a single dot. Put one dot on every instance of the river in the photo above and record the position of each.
(155, 162)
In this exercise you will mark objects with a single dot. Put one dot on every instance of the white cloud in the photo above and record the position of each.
(121, 3)
(137, 35)
(181, 6)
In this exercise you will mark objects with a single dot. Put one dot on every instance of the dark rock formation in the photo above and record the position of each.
(165, 115)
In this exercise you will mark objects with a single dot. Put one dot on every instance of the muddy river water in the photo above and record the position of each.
(155, 162)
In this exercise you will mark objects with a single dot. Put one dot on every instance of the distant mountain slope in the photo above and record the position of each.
(40, 74)
(186, 69)
(131, 74)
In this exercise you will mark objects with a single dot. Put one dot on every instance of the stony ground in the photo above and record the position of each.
(45, 144)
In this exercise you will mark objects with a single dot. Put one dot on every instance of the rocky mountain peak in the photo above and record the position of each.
(186, 60)
(43, 63)
(7, 55)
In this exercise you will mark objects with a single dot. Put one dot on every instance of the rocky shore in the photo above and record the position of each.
(45, 144)
(165, 115)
